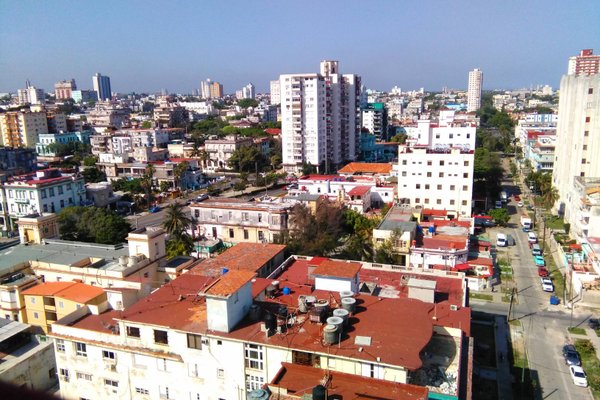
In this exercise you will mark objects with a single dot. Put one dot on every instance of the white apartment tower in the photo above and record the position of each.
(320, 118)
(275, 92)
(577, 136)
(474, 90)
(205, 89)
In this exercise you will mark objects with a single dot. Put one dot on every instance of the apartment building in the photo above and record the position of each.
(374, 119)
(48, 302)
(436, 178)
(234, 221)
(577, 136)
(45, 191)
(585, 215)
(544, 123)
(540, 151)
(275, 92)
(46, 139)
(445, 133)
(220, 150)
(31, 95)
(320, 118)
(169, 114)
(22, 128)
(15, 161)
(13, 281)
(84, 96)
(586, 63)
(474, 90)
(106, 115)
(63, 90)
(229, 335)
(101, 86)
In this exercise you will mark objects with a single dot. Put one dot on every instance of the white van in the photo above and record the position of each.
(532, 237)
(501, 240)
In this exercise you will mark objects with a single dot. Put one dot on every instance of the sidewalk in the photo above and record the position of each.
(503, 375)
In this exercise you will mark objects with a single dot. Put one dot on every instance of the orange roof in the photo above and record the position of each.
(366, 168)
(434, 212)
(74, 291)
(273, 131)
(359, 190)
(301, 379)
(338, 269)
(242, 256)
(229, 283)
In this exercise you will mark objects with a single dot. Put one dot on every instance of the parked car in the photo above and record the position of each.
(291, 186)
(539, 261)
(510, 241)
(532, 237)
(594, 323)
(154, 209)
(520, 204)
(547, 285)
(542, 271)
(501, 240)
(536, 250)
(571, 355)
(578, 376)
(202, 197)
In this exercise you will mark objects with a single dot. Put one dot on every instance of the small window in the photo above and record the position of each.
(60, 345)
(220, 373)
(429, 162)
(83, 376)
(417, 200)
(586, 133)
(427, 187)
(429, 174)
(219, 342)
(231, 233)
(438, 201)
(64, 372)
(439, 187)
(426, 201)
(465, 187)
(591, 91)
(36, 315)
(452, 187)
(110, 355)
(588, 119)
(32, 300)
(161, 337)
(81, 349)
(403, 162)
(110, 382)
(583, 160)
(466, 175)
(441, 162)
(246, 234)
(464, 202)
(441, 175)
(133, 331)
(418, 186)
(141, 391)
(194, 341)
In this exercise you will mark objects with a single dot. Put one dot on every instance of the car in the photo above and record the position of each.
(532, 237)
(539, 261)
(542, 271)
(578, 376)
(202, 197)
(154, 209)
(292, 186)
(520, 204)
(571, 355)
(526, 229)
(547, 285)
(594, 323)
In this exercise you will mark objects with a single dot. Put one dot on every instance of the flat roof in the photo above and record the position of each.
(338, 269)
(398, 218)
(229, 283)
(242, 256)
(301, 379)
(9, 328)
(367, 168)
(62, 252)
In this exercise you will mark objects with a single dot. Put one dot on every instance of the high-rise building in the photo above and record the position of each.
(31, 95)
(577, 136)
(22, 128)
(320, 118)
(275, 92)
(205, 89)
(216, 90)
(586, 63)
(248, 91)
(102, 87)
(374, 119)
(63, 90)
(474, 90)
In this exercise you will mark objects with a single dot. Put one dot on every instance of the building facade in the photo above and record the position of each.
(586, 63)
(22, 128)
(474, 90)
(220, 150)
(63, 90)
(84, 96)
(46, 139)
(101, 86)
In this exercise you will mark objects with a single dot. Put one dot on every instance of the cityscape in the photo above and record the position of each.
(303, 226)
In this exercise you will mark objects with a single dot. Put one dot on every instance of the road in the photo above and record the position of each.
(545, 325)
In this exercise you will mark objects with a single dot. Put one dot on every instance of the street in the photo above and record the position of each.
(544, 325)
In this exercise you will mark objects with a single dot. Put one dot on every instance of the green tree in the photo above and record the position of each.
(164, 186)
(240, 186)
(92, 224)
(90, 161)
(147, 182)
(247, 158)
(93, 174)
(176, 223)
(245, 103)
(400, 138)
(146, 125)
(179, 171)
(500, 215)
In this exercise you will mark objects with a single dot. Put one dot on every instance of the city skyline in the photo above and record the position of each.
(145, 47)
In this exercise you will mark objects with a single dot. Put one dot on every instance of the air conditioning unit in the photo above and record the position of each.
(453, 307)
(205, 341)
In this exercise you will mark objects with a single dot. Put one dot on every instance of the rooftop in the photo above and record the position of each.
(239, 204)
(366, 168)
(74, 291)
(300, 379)
(398, 218)
(338, 269)
(359, 190)
(238, 258)
(229, 283)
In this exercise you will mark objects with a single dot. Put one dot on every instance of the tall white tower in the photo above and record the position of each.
(474, 90)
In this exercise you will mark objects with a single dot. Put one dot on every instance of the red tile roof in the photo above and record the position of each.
(367, 168)
(229, 283)
(338, 269)
(434, 212)
(359, 190)
(273, 131)
(444, 242)
(242, 256)
(74, 291)
(301, 379)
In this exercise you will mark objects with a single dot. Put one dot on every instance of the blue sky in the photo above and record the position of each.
(149, 45)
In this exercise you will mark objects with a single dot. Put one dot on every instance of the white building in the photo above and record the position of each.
(220, 150)
(275, 92)
(436, 178)
(447, 133)
(320, 120)
(247, 92)
(577, 135)
(45, 191)
(31, 95)
(474, 90)
(205, 89)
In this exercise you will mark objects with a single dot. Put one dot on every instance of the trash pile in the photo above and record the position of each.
(436, 379)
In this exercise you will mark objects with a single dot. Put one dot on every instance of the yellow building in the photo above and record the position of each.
(51, 301)
(22, 129)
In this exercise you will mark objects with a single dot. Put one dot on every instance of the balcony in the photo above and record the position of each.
(22, 201)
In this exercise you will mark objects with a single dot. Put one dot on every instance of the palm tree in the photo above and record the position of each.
(176, 221)
(148, 181)
(179, 171)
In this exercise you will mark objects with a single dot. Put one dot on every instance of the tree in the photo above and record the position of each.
(146, 125)
(179, 171)
(240, 186)
(147, 181)
(176, 223)
(93, 174)
(92, 224)
(90, 161)
(164, 186)
(247, 158)
(400, 138)
(500, 215)
(245, 103)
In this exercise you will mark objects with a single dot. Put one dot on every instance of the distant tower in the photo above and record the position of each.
(102, 87)
(474, 90)
(586, 63)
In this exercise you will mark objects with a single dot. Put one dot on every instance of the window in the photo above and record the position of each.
(194, 341)
(43, 193)
(403, 162)
(438, 201)
(466, 163)
(220, 373)
(588, 119)
(68, 186)
(253, 355)
(429, 162)
(83, 376)
(36, 315)
(161, 337)
(426, 201)
(261, 236)
(141, 391)
(429, 174)
(61, 304)
(246, 235)
(465, 187)
(586, 133)
(418, 186)
(583, 160)
(439, 187)
(64, 373)
(110, 382)
(403, 173)
(464, 202)
(81, 349)
(51, 192)
(452, 187)
(591, 91)
(259, 217)
(441, 162)
(244, 216)
(132, 331)
(451, 202)
(254, 382)
(585, 147)
(231, 233)
(441, 175)
(60, 190)
(110, 355)
(60, 345)
(466, 175)
(163, 391)
(51, 373)
(32, 300)
(417, 200)
(427, 186)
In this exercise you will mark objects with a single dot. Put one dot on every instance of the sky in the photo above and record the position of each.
(146, 46)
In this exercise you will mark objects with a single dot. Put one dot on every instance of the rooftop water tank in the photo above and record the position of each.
(349, 304)
(275, 284)
(341, 313)
(346, 293)
(287, 290)
(270, 291)
(319, 393)
(224, 271)
(330, 334)
(322, 304)
(302, 307)
(337, 322)
(310, 301)
(259, 394)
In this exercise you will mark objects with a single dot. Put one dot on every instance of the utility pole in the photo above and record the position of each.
(510, 305)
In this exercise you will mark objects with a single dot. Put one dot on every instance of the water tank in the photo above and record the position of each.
(259, 394)
(341, 313)
(337, 322)
(224, 271)
(310, 301)
(322, 305)
(302, 307)
(330, 334)
(123, 260)
(282, 312)
(255, 312)
(287, 290)
(270, 291)
(349, 304)
(346, 293)
(275, 284)
(132, 261)
(319, 393)
(270, 322)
